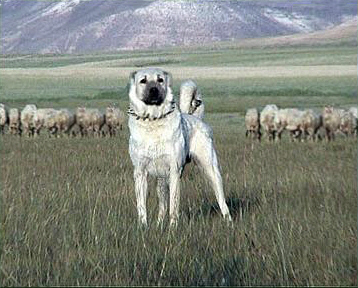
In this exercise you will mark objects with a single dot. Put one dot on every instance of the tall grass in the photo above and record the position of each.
(68, 215)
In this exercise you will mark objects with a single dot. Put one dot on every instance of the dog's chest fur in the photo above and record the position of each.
(157, 146)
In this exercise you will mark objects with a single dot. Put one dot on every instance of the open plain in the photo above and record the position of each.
(68, 214)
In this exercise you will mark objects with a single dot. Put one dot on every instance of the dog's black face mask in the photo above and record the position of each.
(154, 94)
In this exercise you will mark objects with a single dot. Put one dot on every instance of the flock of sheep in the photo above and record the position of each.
(85, 121)
(31, 120)
(301, 124)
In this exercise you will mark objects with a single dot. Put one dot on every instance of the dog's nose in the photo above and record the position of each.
(153, 93)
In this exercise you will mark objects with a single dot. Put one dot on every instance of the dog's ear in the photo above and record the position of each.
(131, 81)
(132, 76)
(194, 93)
(169, 78)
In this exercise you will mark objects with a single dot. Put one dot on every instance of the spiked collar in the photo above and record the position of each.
(131, 112)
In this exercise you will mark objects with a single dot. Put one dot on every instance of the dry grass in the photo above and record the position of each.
(68, 215)
(86, 71)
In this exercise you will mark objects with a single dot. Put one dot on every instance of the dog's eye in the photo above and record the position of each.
(143, 81)
(160, 80)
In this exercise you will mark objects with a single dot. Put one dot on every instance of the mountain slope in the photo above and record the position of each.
(77, 26)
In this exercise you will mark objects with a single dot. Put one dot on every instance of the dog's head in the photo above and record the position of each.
(150, 92)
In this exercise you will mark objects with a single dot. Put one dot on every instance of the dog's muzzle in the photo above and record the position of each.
(154, 94)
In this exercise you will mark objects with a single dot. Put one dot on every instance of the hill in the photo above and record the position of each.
(77, 26)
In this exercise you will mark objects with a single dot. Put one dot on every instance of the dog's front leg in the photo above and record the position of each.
(140, 179)
(174, 191)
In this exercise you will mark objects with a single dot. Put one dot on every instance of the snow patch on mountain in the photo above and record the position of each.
(292, 20)
(60, 8)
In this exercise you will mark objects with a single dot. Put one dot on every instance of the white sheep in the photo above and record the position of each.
(89, 120)
(27, 119)
(354, 111)
(45, 118)
(65, 119)
(15, 121)
(311, 123)
(289, 119)
(267, 120)
(331, 120)
(4, 118)
(114, 119)
(82, 120)
(348, 125)
(252, 123)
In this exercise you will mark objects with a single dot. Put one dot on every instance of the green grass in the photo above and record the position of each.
(69, 218)
(67, 86)
(69, 92)
(228, 55)
(68, 213)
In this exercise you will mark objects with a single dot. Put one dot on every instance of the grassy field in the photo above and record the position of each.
(68, 213)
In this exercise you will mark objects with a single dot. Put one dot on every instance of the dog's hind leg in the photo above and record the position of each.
(204, 154)
(162, 190)
(174, 192)
(141, 188)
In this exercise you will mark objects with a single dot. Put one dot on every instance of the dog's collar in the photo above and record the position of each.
(131, 112)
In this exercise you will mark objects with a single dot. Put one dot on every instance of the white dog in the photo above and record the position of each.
(162, 141)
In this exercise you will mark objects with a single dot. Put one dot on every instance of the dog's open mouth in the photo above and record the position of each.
(154, 95)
